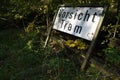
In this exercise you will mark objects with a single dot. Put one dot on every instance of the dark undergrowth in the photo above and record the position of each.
(20, 62)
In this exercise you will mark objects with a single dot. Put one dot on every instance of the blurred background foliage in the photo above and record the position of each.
(40, 11)
(35, 16)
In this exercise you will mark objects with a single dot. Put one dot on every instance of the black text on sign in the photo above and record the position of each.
(78, 21)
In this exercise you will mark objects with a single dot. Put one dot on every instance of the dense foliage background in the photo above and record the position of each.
(32, 19)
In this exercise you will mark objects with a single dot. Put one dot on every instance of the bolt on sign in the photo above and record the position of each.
(79, 21)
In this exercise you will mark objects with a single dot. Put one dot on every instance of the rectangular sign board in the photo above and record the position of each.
(78, 21)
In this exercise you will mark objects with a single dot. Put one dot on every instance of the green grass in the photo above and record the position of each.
(17, 62)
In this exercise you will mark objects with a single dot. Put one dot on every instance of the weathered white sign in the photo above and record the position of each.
(78, 21)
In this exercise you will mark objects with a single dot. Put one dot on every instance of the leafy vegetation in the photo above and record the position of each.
(79, 44)
(20, 60)
(23, 30)
(112, 50)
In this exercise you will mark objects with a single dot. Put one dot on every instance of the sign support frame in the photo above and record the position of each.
(92, 45)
